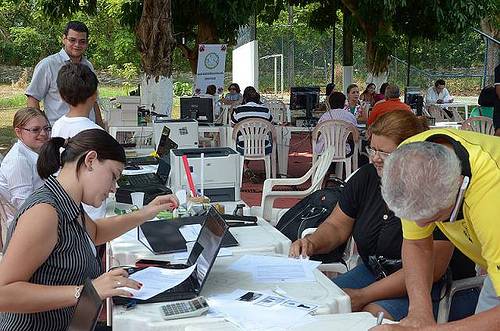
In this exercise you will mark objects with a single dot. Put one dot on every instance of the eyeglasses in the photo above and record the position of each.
(76, 41)
(371, 153)
(37, 130)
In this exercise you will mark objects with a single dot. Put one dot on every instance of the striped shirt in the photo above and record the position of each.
(250, 110)
(71, 261)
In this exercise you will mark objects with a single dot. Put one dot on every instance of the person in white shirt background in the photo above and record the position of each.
(18, 174)
(438, 93)
(78, 87)
(43, 86)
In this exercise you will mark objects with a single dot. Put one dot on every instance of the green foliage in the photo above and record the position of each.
(128, 71)
(182, 89)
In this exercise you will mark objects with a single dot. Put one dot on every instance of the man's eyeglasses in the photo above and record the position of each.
(371, 153)
(77, 41)
(38, 130)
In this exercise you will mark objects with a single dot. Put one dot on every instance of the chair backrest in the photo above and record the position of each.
(334, 133)
(480, 124)
(254, 133)
(225, 115)
(278, 110)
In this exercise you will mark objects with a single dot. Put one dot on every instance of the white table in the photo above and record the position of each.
(441, 125)
(464, 105)
(263, 239)
(330, 298)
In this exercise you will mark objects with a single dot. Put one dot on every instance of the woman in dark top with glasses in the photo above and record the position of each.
(362, 213)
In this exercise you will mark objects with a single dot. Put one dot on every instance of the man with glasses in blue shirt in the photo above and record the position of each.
(43, 85)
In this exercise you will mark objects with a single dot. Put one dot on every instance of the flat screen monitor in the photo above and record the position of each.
(304, 97)
(198, 108)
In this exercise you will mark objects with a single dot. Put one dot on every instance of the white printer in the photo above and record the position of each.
(221, 172)
(183, 132)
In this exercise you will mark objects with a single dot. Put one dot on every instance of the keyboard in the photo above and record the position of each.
(142, 160)
(142, 179)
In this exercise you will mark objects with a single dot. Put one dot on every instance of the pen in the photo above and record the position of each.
(380, 317)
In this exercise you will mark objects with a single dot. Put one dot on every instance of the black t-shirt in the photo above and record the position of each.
(376, 230)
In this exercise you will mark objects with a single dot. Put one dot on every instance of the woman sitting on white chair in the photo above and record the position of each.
(361, 212)
(18, 175)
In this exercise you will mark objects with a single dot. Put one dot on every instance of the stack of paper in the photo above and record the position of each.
(271, 269)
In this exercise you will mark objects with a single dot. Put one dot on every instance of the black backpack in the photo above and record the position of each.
(310, 212)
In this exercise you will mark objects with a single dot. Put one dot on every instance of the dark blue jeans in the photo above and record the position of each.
(463, 304)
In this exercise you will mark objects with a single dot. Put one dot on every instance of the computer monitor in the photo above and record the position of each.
(304, 98)
(198, 108)
(414, 99)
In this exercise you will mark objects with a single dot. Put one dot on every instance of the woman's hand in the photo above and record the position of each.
(302, 247)
(160, 203)
(112, 283)
(357, 298)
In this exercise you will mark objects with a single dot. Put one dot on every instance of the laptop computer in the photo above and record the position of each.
(164, 146)
(87, 309)
(158, 178)
(203, 254)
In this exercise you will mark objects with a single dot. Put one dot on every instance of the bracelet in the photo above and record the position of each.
(78, 291)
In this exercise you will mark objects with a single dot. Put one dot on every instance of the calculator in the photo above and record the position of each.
(185, 308)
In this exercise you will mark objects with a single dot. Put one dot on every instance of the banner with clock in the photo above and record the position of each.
(211, 67)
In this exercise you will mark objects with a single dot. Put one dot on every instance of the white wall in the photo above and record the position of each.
(246, 65)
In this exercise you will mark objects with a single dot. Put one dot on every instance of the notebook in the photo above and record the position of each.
(163, 237)
(148, 179)
(203, 254)
(87, 309)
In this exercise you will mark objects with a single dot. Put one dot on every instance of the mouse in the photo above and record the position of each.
(132, 167)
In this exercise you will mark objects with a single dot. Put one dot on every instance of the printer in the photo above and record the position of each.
(183, 132)
(221, 172)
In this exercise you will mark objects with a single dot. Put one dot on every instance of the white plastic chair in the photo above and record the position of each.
(480, 124)
(254, 133)
(457, 285)
(225, 115)
(335, 133)
(317, 174)
(278, 109)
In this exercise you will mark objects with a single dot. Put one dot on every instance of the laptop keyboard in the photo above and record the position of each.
(142, 179)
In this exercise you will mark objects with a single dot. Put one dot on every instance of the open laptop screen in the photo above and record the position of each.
(207, 246)
(87, 309)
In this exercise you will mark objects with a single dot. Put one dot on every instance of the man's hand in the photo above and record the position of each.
(418, 320)
(392, 327)
(357, 298)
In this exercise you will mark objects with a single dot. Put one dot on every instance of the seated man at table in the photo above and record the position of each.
(438, 93)
(391, 103)
(251, 108)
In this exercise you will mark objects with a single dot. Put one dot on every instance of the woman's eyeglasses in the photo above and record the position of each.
(371, 153)
(38, 130)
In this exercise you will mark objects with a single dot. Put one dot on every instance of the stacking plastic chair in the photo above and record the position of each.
(316, 174)
(254, 133)
(480, 124)
(456, 286)
(278, 109)
(335, 133)
(225, 115)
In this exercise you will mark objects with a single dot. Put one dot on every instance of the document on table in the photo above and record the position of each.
(157, 280)
(274, 312)
(269, 269)
(190, 232)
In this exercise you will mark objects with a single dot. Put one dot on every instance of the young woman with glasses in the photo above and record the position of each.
(18, 175)
(362, 213)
